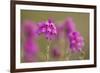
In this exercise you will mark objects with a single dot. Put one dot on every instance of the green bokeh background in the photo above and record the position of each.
(82, 25)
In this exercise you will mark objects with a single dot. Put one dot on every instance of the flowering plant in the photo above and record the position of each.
(75, 39)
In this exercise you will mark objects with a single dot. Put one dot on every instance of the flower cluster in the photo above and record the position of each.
(48, 28)
(75, 39)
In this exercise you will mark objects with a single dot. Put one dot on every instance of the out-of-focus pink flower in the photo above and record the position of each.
(48, 28)
(30, 50)
(55, 52)
(70, 25)
(30, 46)
(30, 29)
(75, 39)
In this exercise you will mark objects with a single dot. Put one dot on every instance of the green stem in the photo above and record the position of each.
(47, 50)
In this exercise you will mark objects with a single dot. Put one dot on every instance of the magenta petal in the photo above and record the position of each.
(76, 33)
(70, 35)
(73, 42)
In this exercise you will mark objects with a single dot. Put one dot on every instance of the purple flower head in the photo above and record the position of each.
(56, 53)
(30, 46)
(30, 50)
(75, 39)
(70, 25)
(48, 28)
(29, 28)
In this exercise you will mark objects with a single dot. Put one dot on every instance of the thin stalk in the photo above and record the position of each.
(47, 50)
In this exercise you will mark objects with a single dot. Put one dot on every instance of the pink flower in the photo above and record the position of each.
(70, 25)
(75, 39)
(30, 46)
(56, 52)
(30, 50)
(30, 29)
(48, 28)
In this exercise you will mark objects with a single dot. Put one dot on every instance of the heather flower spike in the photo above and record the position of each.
(75, 39)
(31, 50)
(29, 28)
(48, 28)
(30, 46)
(70, 25)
